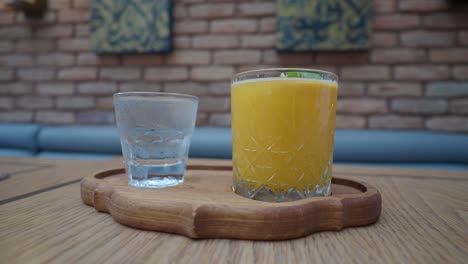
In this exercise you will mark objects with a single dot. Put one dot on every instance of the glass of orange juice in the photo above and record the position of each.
(283, 125)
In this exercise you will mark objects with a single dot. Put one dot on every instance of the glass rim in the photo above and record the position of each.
(234, 78)
(157, 94)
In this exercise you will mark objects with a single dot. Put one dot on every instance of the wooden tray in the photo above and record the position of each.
(204, 206)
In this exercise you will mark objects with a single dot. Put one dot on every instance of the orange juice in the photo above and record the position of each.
(283, 134)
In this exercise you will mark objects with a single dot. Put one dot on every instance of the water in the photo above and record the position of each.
(156, 157)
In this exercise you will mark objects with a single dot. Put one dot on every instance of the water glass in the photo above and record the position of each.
(155, 132)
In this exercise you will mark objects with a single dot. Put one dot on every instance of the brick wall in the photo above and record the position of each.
(414, 77)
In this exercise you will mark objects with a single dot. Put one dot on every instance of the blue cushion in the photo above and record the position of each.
(72, 155)
(424, 166)
(4, 152)
(18, 136)
(87, 139)
(209, 142)
(400, 146)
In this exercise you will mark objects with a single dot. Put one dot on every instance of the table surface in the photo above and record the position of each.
(42, 220)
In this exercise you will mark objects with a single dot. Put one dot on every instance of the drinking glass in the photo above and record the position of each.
(283, 125)
(155, 132)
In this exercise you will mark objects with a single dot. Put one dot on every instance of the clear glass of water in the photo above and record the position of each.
(155, 132)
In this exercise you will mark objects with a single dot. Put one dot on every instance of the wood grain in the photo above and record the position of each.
(424, 220)
(204, 206)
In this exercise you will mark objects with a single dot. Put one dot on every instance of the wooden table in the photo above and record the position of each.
(42, 220)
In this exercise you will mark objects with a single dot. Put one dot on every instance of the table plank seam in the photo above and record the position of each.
(26, 195)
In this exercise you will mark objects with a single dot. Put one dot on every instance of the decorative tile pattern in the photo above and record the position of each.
(131, 26)
(304, 25)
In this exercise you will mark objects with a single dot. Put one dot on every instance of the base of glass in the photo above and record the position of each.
(266, 194)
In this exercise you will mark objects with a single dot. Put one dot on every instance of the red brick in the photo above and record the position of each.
(55, 59)
(6, 102)
(120, 74)
(97, 88)
(422, 72)
(427, 39)
(365, 72)
(272, 56)
(74, 44)
(257, 9)
(268, 25)
(350, 121)
(180, 11)
(35, 74)
(6, 46)
(59, 4)
(423, 5)
(342, 58)
(213, 104)
(390, 89)
(384, 6)
(212, 73)
(73, 15)
(460, 72)
(463, 38)
(54, 31)
(96, 117)
(384, 39)
(55, 117)
(234, 25)
(400, 55)
(16, 116)
(166, 74)
(35, 102)
(453, 55)
(15, 60)
(143, 59)
(105, 102)
(362, 106)
(258, 41)
(191, 1)
(140, 87)
(82, 30)
(220, 119)
(55, 88)
(6, 74)
(35, 46)
(211, 10)
(448, 123)
(15, 88)
(219, 88)
(351, 89)
(182, 42)
(447, 89)
(81, 3)
(450, 20)
(237, 56)
(190, 26)
(91, 59)
(396, 121)
(396, 22)
(215, 41)
(186, 88)
(78, 74)
(202, 119)
(419, 106)
(7, 18)
(15, 32)
(459, 106)
(75, 102)
(189, 57)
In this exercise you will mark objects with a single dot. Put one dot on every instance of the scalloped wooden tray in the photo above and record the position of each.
(204, 206)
